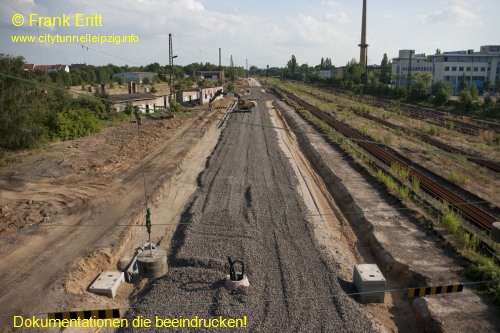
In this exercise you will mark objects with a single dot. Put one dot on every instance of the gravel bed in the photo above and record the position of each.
(247, 207)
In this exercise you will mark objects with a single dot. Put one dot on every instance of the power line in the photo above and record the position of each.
(304, 298)
(189, 114)
(190, 222)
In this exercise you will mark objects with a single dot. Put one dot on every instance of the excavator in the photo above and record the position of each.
(243, 105)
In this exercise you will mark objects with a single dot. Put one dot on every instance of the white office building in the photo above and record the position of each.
(451, 67)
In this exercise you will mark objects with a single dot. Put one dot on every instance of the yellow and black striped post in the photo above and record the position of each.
(424, 291)
(92, 314)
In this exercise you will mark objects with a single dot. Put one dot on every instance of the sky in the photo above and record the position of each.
(255, 31)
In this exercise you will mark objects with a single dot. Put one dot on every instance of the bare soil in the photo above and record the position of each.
(77, 207)
(400, 242)
(70, 211)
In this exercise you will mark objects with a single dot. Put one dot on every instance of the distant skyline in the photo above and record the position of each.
(264, 32)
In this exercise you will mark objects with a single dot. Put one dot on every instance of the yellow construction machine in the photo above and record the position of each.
(243, 104)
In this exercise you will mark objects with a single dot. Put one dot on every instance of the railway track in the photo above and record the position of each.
(459, 123)
(474, 214)
(469, 126)
(492, 165)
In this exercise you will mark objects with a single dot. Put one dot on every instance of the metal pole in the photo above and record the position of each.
(409, 72)
(171, 63)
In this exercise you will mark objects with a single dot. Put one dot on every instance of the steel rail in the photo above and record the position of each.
(474, 214)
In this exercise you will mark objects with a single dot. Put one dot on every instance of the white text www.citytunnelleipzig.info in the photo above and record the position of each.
(86, 38)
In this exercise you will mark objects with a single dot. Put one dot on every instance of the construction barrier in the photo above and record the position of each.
(424, 291)
(92, 314)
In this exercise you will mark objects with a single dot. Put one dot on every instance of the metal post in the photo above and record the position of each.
(409, 72)
(171, 63)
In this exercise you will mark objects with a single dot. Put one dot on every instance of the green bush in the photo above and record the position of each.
(74, 124)
(452, 222)
(485, 269)
(175, 107)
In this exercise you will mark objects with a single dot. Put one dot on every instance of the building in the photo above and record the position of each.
(134, 76)
(477, 67)
(325, 74)
(146, 102)
(210, 75)
(74, 67)
(47, 68)
(338, 72)
(408, 63)
(188, 97)
(207, 93)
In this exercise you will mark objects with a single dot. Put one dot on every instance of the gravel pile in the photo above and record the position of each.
(247, 207)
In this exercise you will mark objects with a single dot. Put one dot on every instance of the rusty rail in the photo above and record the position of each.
(474, 214)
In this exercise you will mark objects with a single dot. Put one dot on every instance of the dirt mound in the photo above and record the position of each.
(85, 270)
(66, 174)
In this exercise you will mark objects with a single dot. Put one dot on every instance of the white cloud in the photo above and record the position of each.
(338, 17)
(454, 15)
(330, 3)
(312, 31)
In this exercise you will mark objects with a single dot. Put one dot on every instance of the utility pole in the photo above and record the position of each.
(220, 57)
(171, 63)
(409, 72)
(232, 68)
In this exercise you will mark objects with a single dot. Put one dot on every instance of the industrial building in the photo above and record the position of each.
(47, 68)
(134, 76)
(477, 67)
(146, 101)
(211, 75)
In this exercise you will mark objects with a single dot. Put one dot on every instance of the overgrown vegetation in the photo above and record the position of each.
(33, 112)
(400, 183)
(485, 269)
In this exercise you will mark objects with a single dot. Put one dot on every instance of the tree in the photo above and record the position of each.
(487, 84)
(441, 91)
(353, 72)
(292, 65)
(466, 98)
(322, 64)
(421, 85)
(385, 70)
(474, 92)
(328, 63)
(304, 68)
(463, 83)
(373, 78)
(24, 107)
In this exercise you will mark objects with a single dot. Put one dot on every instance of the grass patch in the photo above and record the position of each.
(459, 178)
(485, 269)
(387, 180)
(7, 158)
(434, 130)
(490, 138)
(452, 222)
(401, 172)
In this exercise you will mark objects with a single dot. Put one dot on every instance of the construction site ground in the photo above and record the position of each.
(270, 197)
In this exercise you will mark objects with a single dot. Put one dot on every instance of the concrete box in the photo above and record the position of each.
(370, 283)
(107, 283)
